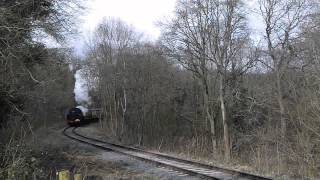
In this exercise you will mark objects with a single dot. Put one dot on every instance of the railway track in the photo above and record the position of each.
(186, 166)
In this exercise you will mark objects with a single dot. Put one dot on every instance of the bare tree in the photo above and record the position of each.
(206, 36)
(283, 20)
(112, 41)
(21, 23)
(186, 39)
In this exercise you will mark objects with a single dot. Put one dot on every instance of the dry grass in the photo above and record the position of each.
(265, 157)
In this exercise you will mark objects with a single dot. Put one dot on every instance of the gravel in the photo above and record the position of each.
(98, 164)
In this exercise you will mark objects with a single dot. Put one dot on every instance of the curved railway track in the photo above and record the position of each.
(186, 166)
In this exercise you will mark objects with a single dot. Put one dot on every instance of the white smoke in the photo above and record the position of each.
(81, 92)
(83, 109)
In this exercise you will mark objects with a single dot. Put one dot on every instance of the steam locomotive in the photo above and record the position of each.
(75, 116)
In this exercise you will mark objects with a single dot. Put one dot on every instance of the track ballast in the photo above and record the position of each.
(186, 166)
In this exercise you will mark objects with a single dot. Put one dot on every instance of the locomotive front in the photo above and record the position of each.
(75, 117)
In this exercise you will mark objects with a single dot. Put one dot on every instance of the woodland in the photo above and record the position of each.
(206, 88)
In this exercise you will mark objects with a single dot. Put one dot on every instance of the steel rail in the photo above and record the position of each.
(216, 168)
(137, 157)
(201, 170)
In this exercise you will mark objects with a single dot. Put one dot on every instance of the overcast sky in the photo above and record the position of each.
(141, 14)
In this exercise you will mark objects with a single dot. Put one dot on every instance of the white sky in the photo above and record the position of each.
(142, 14)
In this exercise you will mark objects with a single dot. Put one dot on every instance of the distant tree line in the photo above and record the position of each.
(206, 88)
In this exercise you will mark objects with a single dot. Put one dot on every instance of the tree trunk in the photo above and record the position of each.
(226, 136)
(208, 116)
(283, 123)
